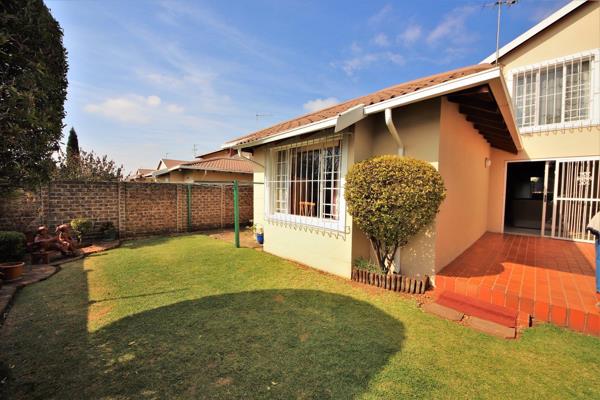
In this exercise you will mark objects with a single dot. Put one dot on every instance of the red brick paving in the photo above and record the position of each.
(552, 280)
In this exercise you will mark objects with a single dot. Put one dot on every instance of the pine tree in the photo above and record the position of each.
(72, 144)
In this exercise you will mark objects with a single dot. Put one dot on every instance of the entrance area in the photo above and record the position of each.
(553, 198)
(529, 198)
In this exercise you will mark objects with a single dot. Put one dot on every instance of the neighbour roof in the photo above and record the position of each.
(226, 164)
(370, 99)
(545, 23)
(144, 171)
(172, 163)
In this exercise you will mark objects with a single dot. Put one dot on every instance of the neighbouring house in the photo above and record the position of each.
(216, 166)
(141, 175)
(518, 146)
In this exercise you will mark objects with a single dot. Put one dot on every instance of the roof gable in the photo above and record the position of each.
(542, 25)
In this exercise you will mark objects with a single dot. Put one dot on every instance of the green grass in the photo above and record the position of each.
(192, 317)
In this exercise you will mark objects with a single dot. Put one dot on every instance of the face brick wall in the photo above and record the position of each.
(135, 208)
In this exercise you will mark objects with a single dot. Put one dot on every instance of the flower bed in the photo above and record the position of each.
(394, 282)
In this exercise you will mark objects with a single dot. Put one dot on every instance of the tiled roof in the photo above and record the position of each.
(169, 163)
(225, 164)
(144, 171)
(373, 98)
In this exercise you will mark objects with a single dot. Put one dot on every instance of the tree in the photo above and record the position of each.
(90, 167)
(72, 145)
(392, 198)
(33, 89)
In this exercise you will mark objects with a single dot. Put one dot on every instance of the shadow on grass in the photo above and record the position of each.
(274, 343)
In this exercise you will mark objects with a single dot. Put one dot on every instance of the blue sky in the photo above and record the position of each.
(154, 78)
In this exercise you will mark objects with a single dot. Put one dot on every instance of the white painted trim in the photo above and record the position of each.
(440, 89)
(507, 48)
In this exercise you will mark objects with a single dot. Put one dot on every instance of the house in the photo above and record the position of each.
(141, 175)
(506, 137)
(216, 166)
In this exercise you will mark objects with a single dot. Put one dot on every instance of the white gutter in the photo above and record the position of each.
(440, 89)
(389, 121)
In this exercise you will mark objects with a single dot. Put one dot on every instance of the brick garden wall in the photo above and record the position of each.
(134, 208)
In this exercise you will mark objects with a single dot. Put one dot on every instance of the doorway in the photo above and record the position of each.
(554, 198)
(529, 201)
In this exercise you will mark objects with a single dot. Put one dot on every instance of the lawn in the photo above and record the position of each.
(193, 317)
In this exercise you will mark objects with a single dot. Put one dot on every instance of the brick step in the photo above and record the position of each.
(479, 309)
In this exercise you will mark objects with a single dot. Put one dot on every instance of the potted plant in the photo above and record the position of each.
(108, 230)
(82, 227)
(12, 252)
(259, 234)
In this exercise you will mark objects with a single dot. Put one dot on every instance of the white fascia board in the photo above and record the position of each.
(504, 103)
(440, 89)
(534, 31)
(312, 127)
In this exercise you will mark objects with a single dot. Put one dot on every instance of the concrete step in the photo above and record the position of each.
(491, 328)
(444, 312)
(477, 308)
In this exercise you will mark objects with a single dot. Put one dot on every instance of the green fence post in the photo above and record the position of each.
(189, 208)
(236, 213)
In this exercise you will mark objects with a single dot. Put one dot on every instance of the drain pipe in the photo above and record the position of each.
(392, 128)
(394, 132)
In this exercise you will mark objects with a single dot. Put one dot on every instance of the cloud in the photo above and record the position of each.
(319, 104)
(410, 35)
(380, 15)
(363, 61)
(452, 27)
(130, 109)
(175, 109)
(381, 40)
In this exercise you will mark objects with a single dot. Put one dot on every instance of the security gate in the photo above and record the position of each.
(576, 197)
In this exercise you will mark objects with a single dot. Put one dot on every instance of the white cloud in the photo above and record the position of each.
(319, 104)
(131, 108)
(153, 101)
(174, 108)
(380, 15)
(381, 40)
(410, 35)
(452, 28)
(363, 61)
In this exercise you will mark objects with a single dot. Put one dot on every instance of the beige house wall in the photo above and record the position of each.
(578, 32)
(463, 214)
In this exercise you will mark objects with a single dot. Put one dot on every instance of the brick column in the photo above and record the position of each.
(122, 208)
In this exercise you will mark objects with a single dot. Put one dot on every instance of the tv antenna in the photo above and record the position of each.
(499, 4)
(258, 116)
(194, 149)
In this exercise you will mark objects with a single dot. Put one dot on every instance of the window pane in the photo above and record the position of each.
(525, 86)
(307, 181)
(550, 101)
(577, 91)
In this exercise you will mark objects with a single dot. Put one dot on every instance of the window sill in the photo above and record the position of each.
(558, 127)
(308, 222)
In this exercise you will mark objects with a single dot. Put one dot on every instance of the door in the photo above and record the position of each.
(576, 197)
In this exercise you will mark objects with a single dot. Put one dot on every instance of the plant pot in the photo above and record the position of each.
(260, 238)
(12, 271)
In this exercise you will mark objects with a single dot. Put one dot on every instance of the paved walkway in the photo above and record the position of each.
(552, 280)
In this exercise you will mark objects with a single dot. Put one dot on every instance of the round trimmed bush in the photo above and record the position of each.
(12, 246)
(391, 198)
(82, 226)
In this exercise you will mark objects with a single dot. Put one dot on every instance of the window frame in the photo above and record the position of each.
(317, 223)
(594, 112)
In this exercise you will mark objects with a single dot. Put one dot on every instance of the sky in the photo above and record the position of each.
(151, 79)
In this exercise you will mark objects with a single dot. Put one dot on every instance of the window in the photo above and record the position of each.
(305, 183)
(553, 94)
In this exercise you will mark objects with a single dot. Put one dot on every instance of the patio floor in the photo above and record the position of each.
(551, 280)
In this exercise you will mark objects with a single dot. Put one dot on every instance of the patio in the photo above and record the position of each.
(551, 280)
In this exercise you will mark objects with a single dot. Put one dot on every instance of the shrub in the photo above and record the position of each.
(367, 265)
(12, 246)
(108, 230)
(392, 198)
(82, 226)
